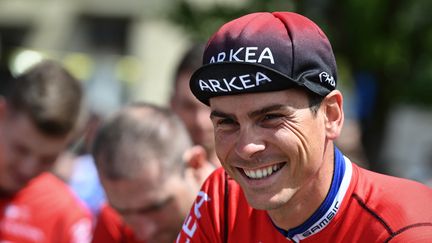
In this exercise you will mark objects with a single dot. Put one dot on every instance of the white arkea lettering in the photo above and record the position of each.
(189, 230)
(267, 54)
(245, 79)
(234, 57)
(230, 84)
(204, 86)
(190, 225)
(261, 78)
(216, 85)
(248, 53)
(221, 56)
(242, 82)
(199, 203)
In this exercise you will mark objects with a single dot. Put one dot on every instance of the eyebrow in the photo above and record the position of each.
(261, 111)
(266, 109)
(220, 114)
(148, 209)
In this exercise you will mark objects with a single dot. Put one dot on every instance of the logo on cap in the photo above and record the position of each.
(327, 78)
(251, 54)
(241, 82)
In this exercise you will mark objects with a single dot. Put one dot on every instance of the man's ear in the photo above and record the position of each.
(197, 164)
(195, 157)
(333, 113)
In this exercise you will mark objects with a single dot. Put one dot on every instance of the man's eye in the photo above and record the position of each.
(272, 116)
(226, 121)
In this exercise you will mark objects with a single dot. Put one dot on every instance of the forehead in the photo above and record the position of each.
(253, 101)
(146, 187)
(21, 131)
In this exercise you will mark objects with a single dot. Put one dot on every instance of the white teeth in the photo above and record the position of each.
(269, 170)
(259, 173)
(262, 172)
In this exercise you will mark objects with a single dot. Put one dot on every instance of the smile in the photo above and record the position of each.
(263, 172)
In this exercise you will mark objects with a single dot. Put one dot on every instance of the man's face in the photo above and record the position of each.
(270, 143)
(152, 208)
(25, 152)
(194, 114)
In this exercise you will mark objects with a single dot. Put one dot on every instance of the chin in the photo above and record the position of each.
(269, 202)
(267, 205)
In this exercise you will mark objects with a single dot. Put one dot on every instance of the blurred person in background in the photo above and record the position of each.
(194, 114)
(151, 173)
(76, 166)
(38, 114)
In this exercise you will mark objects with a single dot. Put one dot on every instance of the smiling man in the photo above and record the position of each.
(270, 81)
(151, 174)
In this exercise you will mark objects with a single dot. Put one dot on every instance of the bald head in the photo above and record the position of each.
(137, 135)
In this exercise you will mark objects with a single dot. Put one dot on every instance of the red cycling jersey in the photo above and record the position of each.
(110, 228)
(367, 207)
(44, 211)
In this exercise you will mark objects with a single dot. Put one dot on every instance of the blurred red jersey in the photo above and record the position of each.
(368, 207)
(44, 211)
(110, 228)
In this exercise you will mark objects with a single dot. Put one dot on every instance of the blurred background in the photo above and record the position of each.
(128, 50)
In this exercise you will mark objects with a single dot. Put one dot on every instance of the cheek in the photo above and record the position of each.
(223, 144)
(305, 132)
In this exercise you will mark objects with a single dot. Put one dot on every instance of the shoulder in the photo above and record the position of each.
(384, 189)
(215, 184)
(51, 186)
(207, 218)
(400, 205)
(51, 193)
(110, 227)
(221, 189)
(63, 218)
(215, 180)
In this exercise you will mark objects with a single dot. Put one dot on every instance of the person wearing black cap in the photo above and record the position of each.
(270, 81)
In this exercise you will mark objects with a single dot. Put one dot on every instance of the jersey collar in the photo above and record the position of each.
(331, 204)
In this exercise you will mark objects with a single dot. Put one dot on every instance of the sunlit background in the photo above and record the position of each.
(127, 50)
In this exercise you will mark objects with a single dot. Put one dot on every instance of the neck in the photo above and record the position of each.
(308, 198)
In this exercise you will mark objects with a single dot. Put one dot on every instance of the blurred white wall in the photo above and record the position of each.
(142, 70)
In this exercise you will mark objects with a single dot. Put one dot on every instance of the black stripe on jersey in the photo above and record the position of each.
(386, 226)
(407, 228)
(381, 220)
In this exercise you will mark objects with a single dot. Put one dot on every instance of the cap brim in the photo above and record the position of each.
(232, 78)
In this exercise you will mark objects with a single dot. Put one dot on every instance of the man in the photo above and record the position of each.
(151, 174)
(270, 81)
(37, 116)
(193, 113)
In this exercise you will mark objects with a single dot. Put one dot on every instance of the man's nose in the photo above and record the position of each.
(248, 143)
